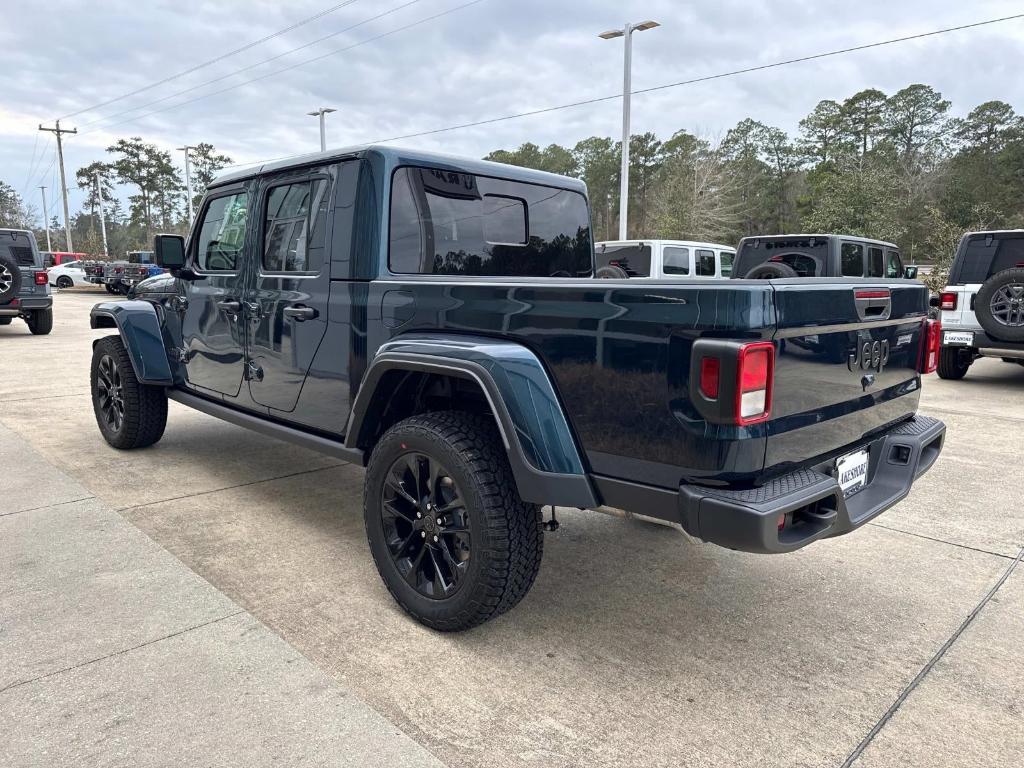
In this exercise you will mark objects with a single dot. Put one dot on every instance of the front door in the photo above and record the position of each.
(286, 304)
(212, 327)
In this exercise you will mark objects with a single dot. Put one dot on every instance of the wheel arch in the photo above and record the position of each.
(501, 378)
(139, 327)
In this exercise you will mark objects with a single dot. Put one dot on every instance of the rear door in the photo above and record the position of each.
(286, 303)
(847, 366)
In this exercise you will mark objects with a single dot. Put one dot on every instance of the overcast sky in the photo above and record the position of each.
(493, 58)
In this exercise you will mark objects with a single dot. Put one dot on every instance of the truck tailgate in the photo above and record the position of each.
(847, 365)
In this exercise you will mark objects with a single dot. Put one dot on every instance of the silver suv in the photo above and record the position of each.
(24, 284)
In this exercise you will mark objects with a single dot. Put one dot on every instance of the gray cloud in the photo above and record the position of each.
(495, 58)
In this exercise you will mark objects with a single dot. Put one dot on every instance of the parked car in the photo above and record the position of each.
(68, 274)
(435, 320)
(24, 285)
(770, 257)
(983, 304)
(58, 258)
(662, 259)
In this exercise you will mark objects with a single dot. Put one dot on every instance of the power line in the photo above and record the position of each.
(223, 56)
(245, 69)
(706, 78)
(302, 63)
(31, 165)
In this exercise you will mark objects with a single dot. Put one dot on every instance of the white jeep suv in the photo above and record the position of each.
(983, 305)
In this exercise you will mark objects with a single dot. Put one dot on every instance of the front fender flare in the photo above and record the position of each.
(139, 326)
(541, 449)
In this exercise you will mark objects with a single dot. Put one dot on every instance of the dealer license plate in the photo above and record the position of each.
(965, 338)
(852, 471)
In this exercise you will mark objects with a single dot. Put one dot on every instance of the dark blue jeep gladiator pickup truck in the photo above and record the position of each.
(437, 320)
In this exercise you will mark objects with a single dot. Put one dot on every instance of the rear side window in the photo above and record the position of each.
(294, 222)
(876, 262)
(893, 264)
(635, 258)
(727, 260)
(449, 223)
(705, 263)
(852, 259)
(676, 261)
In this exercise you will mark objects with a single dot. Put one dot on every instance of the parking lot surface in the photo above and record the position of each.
(634, 647)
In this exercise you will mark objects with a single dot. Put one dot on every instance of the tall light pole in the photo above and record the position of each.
(188, 181)
(627, 86)
(103, 216)
(322, 113)
(46, 220)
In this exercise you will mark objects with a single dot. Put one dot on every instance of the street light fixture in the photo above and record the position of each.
(321, 113)
(627, 33)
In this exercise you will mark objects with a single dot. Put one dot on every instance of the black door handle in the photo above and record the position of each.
(300, 313)
(229, 307)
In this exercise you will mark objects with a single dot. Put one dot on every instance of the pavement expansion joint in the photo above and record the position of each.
(47, 506)
(905, 693)
(944, 541)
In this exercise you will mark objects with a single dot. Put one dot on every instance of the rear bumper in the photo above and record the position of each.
(810, 499)
(26, 304)
(986, 346)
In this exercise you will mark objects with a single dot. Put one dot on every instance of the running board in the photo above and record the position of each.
(269, 428)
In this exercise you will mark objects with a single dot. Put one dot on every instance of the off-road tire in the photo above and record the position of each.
(771, 270)
(110, 288)
(983, 306)
(145, 406)
(65, 282)
(40, 321)
(506, 533)
(953, 363)
(611, 272)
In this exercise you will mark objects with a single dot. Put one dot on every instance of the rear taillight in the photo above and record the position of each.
(931, 337)
(710, 377)
(755, 371)
(42, 278)
(947, 301)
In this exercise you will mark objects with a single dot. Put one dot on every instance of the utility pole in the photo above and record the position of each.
(627, 86)
(322, 113)
(188, 181)
(103, 217)
(63, 182)
(46, 220)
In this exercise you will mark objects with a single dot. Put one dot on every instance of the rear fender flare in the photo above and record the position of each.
(139, 326)
(545, 460)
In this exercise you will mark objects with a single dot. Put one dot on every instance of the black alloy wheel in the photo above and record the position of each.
(426, 525)
(110, 393)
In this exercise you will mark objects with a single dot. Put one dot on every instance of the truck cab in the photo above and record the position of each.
(663, 259)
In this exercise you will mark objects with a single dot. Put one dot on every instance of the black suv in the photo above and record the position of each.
(437, 320)
(24, 284)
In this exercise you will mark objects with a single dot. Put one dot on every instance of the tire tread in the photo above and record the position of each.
(145, 405)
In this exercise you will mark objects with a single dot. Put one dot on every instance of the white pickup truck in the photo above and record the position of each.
(983, 305)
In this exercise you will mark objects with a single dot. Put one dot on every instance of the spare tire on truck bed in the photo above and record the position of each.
(999, 305)
(771, 270)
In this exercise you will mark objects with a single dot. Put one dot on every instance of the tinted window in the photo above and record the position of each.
(727, 259)
(852, 258)
(893, 264)
(876, 263)
(676, 261)
(705, 263)
(986, 255)
(294, 223)
(806, 255)
(449, 223)
(635, 258)
(223, 233)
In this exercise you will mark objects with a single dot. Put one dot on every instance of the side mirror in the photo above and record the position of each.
(910, 273)
(169, 251)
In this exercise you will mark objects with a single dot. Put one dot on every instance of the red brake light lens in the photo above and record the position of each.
(42, 278)
(710, 377)
(931, 337)
(755, 371)
(947, 301)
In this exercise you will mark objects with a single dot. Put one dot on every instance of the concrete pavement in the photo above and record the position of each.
(634, 648)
